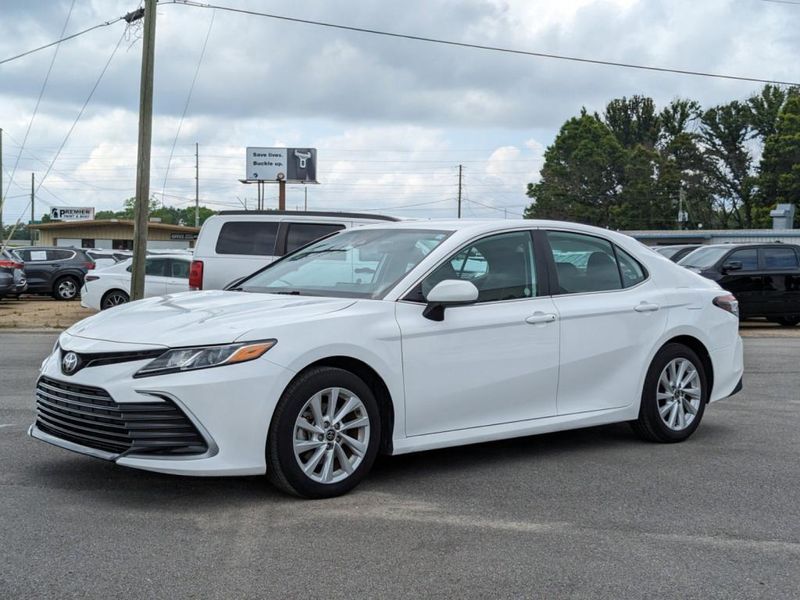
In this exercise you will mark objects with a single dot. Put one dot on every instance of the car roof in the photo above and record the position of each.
(477, 226)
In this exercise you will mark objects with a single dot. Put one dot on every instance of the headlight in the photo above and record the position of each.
(203, 357)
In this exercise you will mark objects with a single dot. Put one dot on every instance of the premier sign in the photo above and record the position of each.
(72, 213)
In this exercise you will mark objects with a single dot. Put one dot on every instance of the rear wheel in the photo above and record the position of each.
(787, 321)
(324, 434)
(114, 298)
(674, 396)
(65, 288)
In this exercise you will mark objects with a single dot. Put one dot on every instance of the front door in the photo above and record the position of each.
(492, 362)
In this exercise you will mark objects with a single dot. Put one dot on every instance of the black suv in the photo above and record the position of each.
(56, 271)
(765, 278)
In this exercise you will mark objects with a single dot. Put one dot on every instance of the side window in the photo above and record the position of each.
(59, 254)
(156, 267)
(748, 257)
(180, 269)
(632, 272)
(37, 255)
(24, 255)
(247, 237)
(584, 263)
(300, 234)
(501, 267)
(779, 258)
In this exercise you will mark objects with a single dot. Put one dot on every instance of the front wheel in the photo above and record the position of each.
(324, 434)
(674, 396)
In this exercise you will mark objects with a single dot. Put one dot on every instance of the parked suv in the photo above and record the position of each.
(233, 244)
(55, 271)
(12, 274)
(765, 278)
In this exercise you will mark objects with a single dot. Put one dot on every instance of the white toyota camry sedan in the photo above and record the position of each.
(395, 338)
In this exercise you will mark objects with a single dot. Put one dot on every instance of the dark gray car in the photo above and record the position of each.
(55, 271)
(12, 274)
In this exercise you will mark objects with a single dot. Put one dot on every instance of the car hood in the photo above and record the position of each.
(196, 318)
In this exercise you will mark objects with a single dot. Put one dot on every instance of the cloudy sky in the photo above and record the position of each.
(392, 118)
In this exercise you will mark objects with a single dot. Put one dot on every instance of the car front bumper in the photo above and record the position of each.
(231, 406)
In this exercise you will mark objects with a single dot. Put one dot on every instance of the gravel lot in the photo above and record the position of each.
(587, 514)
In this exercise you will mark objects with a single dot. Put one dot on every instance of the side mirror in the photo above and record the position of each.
(450, 292)
(734, 265)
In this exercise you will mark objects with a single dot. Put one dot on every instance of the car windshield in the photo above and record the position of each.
(703, 258)
(358, 263)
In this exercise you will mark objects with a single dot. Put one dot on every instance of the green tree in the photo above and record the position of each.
(779, 176)
(725, 132)
(580, 179)
(634, 121)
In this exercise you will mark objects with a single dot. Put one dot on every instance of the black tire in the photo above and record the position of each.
(650, 426)
(114, 298)
(66, 288)
(283, 469)
(787, 321)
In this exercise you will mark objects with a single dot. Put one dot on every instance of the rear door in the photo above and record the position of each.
(781, 279)
(611, 315)
(178, 280)
(241, 247)
(746, 283)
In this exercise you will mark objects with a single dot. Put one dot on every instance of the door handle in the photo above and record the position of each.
(646, 307)
(540, 317)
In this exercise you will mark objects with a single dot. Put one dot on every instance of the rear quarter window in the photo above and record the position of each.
(300, 234)
(248, 238)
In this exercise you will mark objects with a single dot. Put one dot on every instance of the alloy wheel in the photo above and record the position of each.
(67, 289)
(331, 435)
(679, 394)
(114, 299)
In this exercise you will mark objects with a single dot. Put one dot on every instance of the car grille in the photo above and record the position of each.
(89, 416)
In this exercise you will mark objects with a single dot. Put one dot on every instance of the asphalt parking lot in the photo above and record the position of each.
(587, 514)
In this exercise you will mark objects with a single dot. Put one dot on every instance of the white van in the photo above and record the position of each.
(233, 244)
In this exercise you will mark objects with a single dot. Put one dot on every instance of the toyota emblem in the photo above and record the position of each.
(69, 363)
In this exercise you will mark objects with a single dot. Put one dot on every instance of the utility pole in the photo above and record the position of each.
(460, 168)
(33, 198)
(145, 139)
(305, 195)
(2, 231)
(282, 194)
(196, 184)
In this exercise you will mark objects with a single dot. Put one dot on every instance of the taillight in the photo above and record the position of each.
(90, 265)
(10, 264)
(727, 302)
(91, 278)
(196, 275)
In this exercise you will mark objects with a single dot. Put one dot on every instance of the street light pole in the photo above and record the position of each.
(145, 140)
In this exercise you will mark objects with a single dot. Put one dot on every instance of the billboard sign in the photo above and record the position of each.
(293, 165)
(72, 213)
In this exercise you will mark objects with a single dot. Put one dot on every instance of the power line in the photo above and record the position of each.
(39, 99)
(782, 2)
(72, 128)
(64, 39)
(430, 40)
(188, 99)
